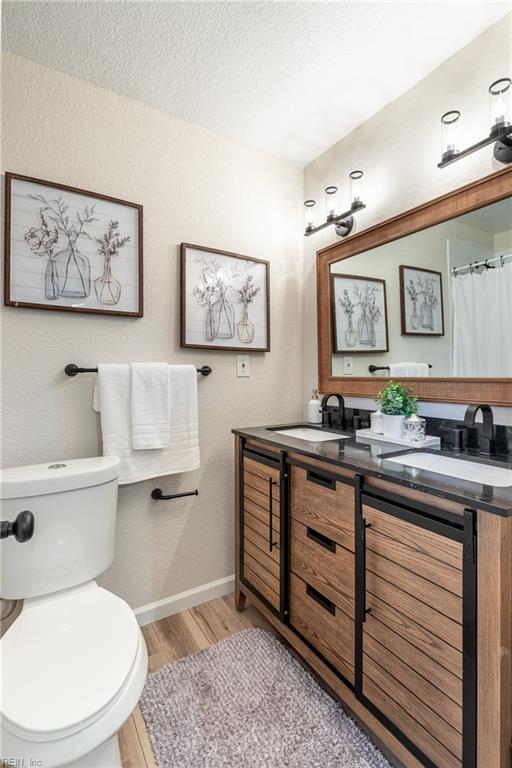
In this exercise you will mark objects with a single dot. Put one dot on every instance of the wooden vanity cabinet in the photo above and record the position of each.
(388, 594)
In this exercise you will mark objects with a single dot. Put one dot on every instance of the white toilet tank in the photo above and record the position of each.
(74, 504)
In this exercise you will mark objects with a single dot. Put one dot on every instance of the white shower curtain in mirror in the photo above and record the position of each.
(482, 323)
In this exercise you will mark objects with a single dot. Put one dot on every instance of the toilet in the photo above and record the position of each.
(74, 661)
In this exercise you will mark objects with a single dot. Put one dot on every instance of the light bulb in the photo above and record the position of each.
(499, 104)
(309, 215)
(331, 202)
(449, 134)
(356, 188)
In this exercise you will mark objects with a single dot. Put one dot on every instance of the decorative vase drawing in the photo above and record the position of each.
(74, 273)
(106, 287)
(210, 327)
(373, 335)
(51, 280)
(427, 316)
(365, 330)
(350, 333)
(223, 319)
(245, 328)
(415, 318)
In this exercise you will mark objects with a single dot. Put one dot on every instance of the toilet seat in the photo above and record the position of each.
(82, 639)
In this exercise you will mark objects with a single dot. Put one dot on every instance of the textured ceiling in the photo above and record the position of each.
(290, 78)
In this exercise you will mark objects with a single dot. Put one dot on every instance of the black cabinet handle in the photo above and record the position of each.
(319, 538)
(317, 596)
(366, 610)
(271, 544)
(319, 479)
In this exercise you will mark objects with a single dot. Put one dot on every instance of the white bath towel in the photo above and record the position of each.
(112, 399)
(150, 405)
(397, 370)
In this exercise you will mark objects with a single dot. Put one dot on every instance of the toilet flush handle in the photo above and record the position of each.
(22, 528)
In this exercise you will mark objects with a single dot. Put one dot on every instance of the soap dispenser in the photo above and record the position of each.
(314, 410)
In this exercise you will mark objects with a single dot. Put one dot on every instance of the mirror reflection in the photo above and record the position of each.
(434, 303)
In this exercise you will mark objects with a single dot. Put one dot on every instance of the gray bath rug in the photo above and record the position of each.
(246, 702)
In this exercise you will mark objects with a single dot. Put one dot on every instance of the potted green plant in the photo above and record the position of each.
(396, 404)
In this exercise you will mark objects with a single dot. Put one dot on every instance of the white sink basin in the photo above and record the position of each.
(465, 470)
(312, 435)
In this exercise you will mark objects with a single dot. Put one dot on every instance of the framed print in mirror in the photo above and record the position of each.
(359, 314)
(71, 250)
(421, 301)
(225, 300)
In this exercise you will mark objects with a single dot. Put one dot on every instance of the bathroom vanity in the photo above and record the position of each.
(392, 582)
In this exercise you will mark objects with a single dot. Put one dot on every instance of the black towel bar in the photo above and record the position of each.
(72, 369)
(373, 368)
(158, 495)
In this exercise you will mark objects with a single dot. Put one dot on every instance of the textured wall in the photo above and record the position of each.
(197, 187)
(399, 148)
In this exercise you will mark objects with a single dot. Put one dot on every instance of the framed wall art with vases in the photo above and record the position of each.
(225, 300)
(71, 250)
(421, 301)
(359, 314)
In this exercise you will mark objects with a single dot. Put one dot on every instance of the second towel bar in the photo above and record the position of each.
(373, 368)
(158, 495)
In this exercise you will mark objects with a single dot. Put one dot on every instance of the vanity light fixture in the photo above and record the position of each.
(500, 133)
(343, 222)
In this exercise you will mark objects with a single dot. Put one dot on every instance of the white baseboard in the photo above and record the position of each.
(184, 600)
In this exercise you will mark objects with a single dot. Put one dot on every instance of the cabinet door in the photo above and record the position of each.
(261, 529)
(414, 661)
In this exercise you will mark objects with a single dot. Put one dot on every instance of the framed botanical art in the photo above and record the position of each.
(421, 301)
(359, 314)
(225, 300)
(71, 250)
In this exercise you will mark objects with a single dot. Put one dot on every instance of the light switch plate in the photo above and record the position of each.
(348, 365)
(242, 366)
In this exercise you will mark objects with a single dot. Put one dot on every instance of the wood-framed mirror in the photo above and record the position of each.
(432, 287)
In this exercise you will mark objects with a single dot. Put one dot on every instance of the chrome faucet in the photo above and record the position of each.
(333, 415)
(486, 440)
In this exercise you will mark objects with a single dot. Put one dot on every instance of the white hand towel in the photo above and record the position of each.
(112, 399)
(397, 370)
(150, 405)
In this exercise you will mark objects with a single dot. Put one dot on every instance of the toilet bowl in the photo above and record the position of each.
(74, 661)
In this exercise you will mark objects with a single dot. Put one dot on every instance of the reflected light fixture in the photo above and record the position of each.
(500, 133)
(343, 222)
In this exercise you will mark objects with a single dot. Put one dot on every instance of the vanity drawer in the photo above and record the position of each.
(323, 624)
(324, 564)
(325, 504)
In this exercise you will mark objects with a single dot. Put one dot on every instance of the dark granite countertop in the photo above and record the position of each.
(370, 459)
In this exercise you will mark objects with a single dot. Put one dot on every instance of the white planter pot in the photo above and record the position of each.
(392, 426)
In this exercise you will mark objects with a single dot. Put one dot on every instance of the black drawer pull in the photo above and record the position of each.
(319, 479)
(320, 599)
(319, 538)
(271, 543)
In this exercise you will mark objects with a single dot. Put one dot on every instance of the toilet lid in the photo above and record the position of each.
(65, 658)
